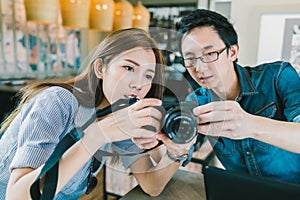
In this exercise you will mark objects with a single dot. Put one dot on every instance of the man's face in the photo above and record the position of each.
(205, 41)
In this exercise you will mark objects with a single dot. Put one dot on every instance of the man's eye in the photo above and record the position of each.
(210, 54)
(129, 68)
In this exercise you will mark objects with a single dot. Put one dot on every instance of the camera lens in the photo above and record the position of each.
(180, 125)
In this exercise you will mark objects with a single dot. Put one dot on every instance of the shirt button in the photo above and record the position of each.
(248, 153)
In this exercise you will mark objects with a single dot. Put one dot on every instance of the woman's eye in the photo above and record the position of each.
(190, 59)
(129, 68)
(150, 77)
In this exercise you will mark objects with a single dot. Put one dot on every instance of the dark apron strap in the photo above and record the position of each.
(50, 169)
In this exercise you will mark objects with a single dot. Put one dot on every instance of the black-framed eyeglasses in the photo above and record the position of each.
(92, 180)
(206, 58)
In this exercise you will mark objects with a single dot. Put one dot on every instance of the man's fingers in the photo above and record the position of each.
(214, 106)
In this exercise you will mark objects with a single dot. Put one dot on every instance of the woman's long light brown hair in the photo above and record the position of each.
(88, 87)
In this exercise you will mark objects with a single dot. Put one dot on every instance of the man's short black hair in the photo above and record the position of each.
(202, 18)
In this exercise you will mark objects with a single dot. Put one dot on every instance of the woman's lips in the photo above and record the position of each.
(133, 95)
(203, 79)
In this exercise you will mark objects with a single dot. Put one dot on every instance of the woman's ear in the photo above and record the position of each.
(98, 68)
(234, 51)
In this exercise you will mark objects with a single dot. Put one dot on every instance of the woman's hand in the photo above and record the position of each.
(224, 118)
(145, 143)
(174, 148)
(140, 120)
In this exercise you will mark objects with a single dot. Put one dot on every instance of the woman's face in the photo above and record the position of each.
(129, 74)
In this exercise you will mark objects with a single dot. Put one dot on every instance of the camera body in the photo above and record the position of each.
(178, 121)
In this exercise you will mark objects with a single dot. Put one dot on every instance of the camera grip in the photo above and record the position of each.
(149, 128)
(119, 104)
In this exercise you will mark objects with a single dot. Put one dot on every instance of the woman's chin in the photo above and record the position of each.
(204, 85)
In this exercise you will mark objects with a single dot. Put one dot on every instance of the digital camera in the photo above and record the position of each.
(178, 121)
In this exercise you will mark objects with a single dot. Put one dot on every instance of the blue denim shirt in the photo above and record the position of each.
(269, 90)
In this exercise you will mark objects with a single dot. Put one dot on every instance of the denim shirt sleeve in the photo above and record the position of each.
(297, 119)
(200, 95)
(288, 88)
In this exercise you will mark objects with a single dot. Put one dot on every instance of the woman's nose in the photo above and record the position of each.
(136, 84)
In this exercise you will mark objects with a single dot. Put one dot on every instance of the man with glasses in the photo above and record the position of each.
(249, 114)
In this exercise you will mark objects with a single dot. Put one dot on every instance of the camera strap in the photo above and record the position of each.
(50, 168)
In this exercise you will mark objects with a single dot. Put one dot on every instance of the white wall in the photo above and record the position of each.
(246, 18)
(271, 37)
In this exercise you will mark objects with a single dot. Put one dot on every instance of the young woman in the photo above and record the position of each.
(126, 63)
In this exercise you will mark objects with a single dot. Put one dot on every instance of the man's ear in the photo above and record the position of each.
(98, 68)
(234, 51)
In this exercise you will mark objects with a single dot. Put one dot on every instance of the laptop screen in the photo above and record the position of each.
(228, 185)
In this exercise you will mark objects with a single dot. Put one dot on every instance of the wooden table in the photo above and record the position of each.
(183, 185)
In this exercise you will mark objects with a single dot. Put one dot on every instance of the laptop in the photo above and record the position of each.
(229, 185)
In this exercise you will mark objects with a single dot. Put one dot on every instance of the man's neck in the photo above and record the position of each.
(230, 90)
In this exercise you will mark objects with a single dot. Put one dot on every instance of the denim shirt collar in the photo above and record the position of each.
(246, 85)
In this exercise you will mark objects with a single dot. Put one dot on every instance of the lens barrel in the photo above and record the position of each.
(179, 123)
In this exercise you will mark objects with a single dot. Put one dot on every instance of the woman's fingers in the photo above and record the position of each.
(145, 143)
(147, 115)
(143, 103)
(174, 148)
